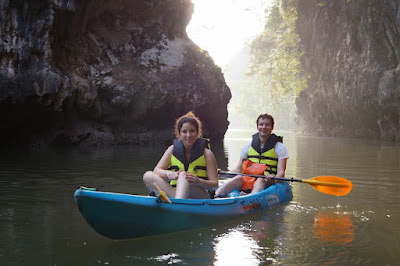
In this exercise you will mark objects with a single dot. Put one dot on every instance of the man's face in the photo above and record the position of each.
(265, 127)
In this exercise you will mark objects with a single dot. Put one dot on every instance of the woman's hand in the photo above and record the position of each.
(173, 175)
(191, 178)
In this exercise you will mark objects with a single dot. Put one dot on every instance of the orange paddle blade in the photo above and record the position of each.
(331, 185)
(162, 196)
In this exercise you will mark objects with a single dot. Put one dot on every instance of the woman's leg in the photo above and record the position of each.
(186, 190)
(182, 187)
(149, 178)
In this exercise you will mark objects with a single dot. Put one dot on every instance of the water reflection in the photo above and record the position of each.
(169, 258)
(334, 227)
(257, 241)
(235, 248)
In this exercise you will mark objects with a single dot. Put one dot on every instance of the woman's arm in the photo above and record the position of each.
(164, 163)
(212, 173)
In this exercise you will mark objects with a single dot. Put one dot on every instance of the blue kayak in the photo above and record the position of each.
(124, 216)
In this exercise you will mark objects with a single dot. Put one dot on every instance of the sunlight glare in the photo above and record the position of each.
(235, 248)
(223, 27)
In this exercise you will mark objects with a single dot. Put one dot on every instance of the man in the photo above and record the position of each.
(265, 149)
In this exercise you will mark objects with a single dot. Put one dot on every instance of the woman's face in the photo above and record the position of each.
(188, 134)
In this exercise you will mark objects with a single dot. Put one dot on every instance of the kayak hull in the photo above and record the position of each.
(124, 216)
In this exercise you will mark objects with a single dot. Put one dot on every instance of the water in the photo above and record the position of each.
(40, 224)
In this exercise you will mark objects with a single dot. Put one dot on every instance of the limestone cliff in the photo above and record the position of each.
(103, 72)
(352, 55)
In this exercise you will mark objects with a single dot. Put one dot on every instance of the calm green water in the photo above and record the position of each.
(40, 224)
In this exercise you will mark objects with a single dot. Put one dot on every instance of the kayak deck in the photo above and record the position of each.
(124, 216)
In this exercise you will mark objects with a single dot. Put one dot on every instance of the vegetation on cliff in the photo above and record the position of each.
(275, 74)
(334, 65)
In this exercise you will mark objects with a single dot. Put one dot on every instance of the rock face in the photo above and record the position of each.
(103, 72)
(352, 55)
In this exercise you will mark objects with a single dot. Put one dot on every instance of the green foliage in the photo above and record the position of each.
(206, 54)
(276, 53)
(275, 77)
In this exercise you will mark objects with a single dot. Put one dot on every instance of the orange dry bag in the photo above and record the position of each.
(248, 167)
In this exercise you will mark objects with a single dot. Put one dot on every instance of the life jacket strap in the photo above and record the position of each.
(262, 157)
(198, 167)
(173, 167)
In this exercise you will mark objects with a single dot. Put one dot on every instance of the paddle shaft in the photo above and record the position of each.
(311, 182)
(260, 176)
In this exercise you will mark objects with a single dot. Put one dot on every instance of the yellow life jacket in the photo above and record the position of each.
(267, 155)
(197, 161)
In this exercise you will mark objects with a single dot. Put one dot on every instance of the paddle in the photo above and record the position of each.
(332, 185)
(162, 196)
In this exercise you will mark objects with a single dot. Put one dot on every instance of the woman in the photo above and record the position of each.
(188, 164)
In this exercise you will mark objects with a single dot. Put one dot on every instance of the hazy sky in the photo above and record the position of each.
(222, 27)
